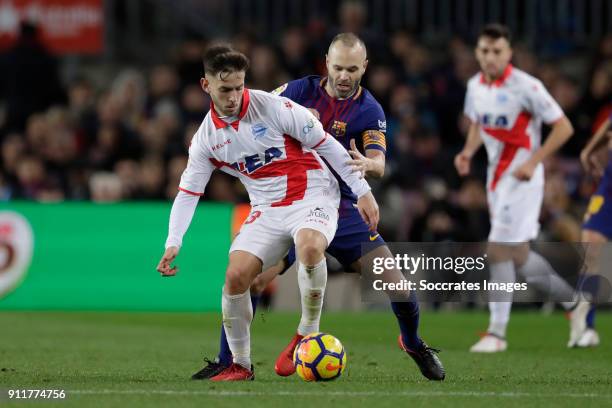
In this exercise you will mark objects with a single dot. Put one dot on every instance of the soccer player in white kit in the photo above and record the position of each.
(506, 107)
(274, 146)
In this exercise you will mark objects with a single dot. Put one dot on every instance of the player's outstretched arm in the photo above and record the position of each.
(181, 215)
(589, 160)
(193, 182)
(472, 144)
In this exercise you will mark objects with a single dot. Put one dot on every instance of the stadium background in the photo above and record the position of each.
(94, 129)
(92, 143)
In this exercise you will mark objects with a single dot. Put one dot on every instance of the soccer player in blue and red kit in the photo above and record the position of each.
(354, 117)
(597, 227)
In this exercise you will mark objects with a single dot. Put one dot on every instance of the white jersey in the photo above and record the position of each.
(510, 112)
(270, 148)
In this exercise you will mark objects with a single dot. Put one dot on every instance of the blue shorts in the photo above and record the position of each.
(598, 216)
(351, 233)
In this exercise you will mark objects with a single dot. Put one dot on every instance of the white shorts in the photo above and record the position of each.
(269, 232)
(514, 208)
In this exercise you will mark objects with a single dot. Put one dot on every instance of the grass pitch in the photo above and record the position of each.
(146, 359)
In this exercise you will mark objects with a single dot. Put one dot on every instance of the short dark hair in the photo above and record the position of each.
(496, 31)
(348, 39)
(223, 58)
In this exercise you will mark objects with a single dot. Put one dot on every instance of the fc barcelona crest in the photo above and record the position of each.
(339, 128)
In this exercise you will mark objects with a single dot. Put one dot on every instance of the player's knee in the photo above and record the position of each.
(310, 253)
(237, 280)
(520, 254)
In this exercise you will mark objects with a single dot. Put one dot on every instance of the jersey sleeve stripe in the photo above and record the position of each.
(322, 140)
(190, 192)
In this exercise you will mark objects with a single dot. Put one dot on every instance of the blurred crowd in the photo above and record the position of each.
(127, 138)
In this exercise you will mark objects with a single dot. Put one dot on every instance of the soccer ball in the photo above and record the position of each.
(319, 357)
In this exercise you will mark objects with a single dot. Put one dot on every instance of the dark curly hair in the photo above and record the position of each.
(223, 59)
(496, 31)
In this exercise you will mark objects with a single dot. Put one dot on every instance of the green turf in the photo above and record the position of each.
(145, 360)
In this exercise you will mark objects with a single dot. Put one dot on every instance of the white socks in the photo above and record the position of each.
(312, 283)
(501, 272)
(237, 316)
(538, 272)
(238, 311)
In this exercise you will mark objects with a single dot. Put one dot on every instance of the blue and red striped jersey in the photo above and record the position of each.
(359, 117)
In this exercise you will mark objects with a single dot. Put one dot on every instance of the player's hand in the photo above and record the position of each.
(591, 163)
(368, 208)
(462, 163)
(525, 171)
(315, 113)
(360, 163)
(164, 265)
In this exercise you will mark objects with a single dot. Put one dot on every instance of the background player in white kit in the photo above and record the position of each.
(506, 107)
(258, 137)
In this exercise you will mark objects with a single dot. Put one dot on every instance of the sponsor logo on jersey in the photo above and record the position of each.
(319, 212)
(255, 161)
(597, 201)
(259, 130)
(308, 126)
(502, 98)
(382, 125)
(339, 128)
(490, 120)
(222, 144)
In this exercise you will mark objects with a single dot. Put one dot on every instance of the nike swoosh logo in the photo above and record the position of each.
(332, 367)
(373, 238)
